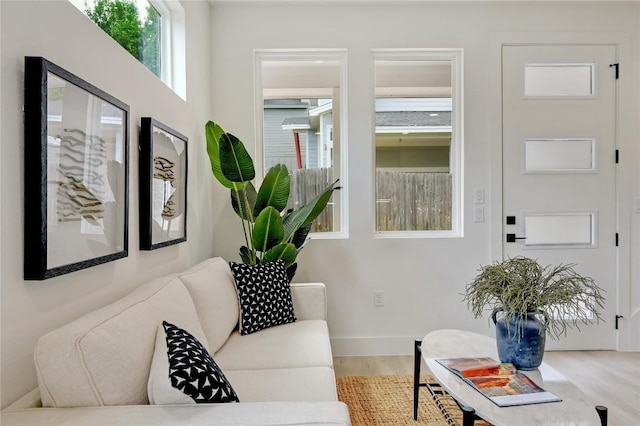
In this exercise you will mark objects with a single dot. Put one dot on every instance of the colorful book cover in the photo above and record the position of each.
(500, 382)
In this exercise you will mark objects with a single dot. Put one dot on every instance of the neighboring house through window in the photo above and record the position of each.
(299, 100)
(298, 133)
(418, 143)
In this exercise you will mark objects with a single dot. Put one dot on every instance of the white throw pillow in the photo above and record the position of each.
(183, 371)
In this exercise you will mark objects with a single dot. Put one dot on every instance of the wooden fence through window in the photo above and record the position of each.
(404, 201)
(413, 201)
(306, 184)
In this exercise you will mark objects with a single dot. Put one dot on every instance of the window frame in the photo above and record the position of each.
(456, 156)
(312, 54)
(172, 41)
(165, 39)
(172, 44)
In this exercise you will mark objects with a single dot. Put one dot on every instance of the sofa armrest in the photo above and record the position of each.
(309, 301)
(333, 413)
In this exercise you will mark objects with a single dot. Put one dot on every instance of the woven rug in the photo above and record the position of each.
(388, 400)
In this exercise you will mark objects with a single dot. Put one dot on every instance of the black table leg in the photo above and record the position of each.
(468, 415)
(416, 376)
(603, 413)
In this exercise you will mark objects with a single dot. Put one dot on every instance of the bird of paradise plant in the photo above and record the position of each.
(270, 232)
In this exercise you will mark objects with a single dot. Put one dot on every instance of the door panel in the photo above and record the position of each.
(559, 167)
(553, 229)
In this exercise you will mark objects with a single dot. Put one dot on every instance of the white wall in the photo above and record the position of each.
(422, 278)
(634, 299)
(59, 32)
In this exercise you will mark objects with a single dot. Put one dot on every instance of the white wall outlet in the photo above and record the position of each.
(478, 214)
(478, 196)
(378, 298)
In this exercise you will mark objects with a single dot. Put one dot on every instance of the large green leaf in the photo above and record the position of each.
(285, 251)
(291, 270)
(213, 133)
(300, 236)
(268, 229)
(307, 213)
(245, 255)
(235, 161)
(243, 201)
(274, 190)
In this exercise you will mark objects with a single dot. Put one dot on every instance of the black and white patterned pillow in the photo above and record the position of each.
(264, 295)
(193, 371)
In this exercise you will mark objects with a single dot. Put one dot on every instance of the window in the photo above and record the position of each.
(301, 101)
(151, 30)
(559, 80)
(418, 143)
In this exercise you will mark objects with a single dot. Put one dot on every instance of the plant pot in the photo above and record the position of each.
(521, 340)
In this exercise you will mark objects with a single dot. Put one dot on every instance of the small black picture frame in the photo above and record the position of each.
(76, 163)
(163, 185)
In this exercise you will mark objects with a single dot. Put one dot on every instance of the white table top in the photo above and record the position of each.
(573, 410)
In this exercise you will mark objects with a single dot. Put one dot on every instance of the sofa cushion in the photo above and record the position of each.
(299, 413)
(284, 384)
(298, 344)
(214, 294)
(104, 357)
(264, 295)
(183, 372)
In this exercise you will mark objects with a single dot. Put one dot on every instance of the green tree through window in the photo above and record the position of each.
(150, 41)
(121, 20)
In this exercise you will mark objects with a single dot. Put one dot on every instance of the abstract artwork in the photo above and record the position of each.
(163, 185)
(76, 172)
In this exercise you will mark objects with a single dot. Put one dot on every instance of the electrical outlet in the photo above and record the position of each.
(378, 298)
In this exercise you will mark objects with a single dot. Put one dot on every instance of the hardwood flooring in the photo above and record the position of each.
(607, 378)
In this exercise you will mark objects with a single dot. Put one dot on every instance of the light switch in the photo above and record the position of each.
(637, 205)
(478, 214)
(478, 196)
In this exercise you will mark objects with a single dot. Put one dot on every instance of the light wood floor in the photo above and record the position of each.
(607, 378)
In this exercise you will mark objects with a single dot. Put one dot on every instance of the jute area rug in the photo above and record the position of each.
(388, 400)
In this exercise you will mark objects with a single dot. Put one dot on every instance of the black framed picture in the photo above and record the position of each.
(76, 160)
(163, 185)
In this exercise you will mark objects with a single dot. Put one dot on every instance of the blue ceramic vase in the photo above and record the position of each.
(523, 348)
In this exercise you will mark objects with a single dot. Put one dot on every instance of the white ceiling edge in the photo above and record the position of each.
(396, 2)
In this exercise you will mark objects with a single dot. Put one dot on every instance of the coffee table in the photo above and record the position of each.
(572, 410)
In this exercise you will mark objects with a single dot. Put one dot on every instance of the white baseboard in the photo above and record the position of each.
(373, 346)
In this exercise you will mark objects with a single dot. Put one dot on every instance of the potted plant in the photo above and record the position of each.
(529, 301)
(270, 232)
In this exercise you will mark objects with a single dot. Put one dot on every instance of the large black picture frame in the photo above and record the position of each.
(76, 163)
(163, 167)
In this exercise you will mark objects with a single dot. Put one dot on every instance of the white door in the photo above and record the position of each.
(559, 168)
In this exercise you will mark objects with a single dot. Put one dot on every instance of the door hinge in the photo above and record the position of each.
(617, 319)
(617, 65)
(617, 239)
(617, 156)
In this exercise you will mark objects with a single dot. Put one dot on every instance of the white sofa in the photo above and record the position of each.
(95, 370)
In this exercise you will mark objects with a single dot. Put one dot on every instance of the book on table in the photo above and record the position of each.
(500, 382)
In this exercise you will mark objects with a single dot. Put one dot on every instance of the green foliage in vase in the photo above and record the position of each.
(519, 285)
(270, 231)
